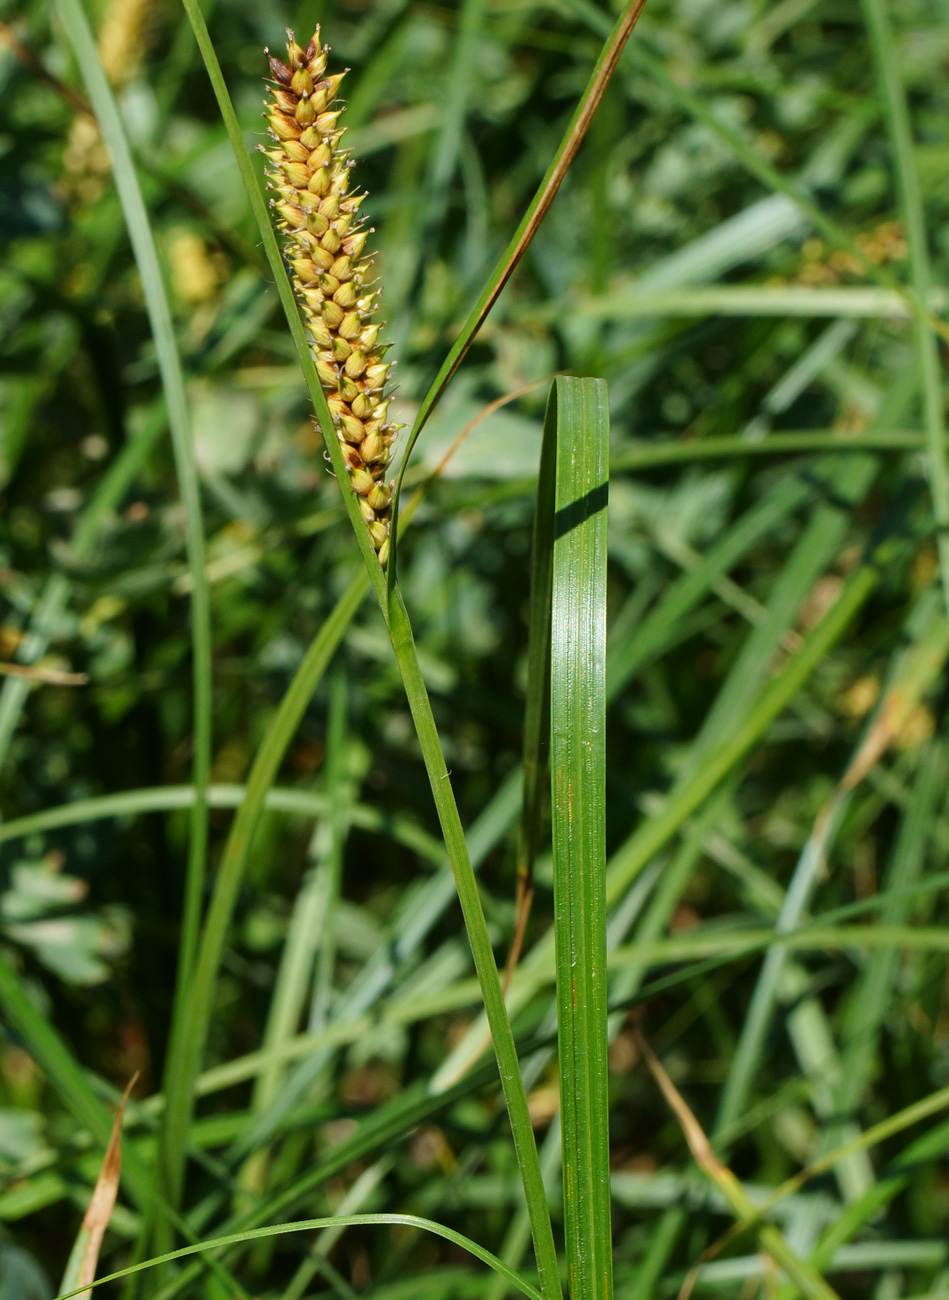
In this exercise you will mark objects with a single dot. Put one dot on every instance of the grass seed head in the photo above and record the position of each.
(317, 211)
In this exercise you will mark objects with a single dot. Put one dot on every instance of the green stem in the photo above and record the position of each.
(502, 1036)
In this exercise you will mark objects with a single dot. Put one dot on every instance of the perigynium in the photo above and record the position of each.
(317, 211)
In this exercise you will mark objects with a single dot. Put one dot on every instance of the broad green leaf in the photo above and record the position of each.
(579, 427)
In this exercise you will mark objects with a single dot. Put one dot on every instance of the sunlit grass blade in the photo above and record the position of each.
(805, 1276)
(312, 1225)
(840, 487)
(770, 176)
(580, 427)
(761, 300)
(466, 884)
(862, 1027)
(647, 841)
(633, 856)
(311, 936)
(646, 641)
(170, 798)
(930, 1146)
(913, 673)
(654, 455)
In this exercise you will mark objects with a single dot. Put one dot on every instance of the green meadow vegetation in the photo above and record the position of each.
(542, 893)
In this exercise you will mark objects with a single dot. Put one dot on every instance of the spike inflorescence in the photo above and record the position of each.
(317, 212)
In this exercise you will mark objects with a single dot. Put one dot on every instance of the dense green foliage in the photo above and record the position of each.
(744, 249)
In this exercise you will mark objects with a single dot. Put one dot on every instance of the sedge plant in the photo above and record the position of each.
(213, 1203)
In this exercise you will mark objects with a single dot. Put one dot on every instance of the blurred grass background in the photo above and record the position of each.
(722, 318)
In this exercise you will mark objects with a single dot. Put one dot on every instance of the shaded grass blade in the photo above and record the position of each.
(896, 113)
(578, 779)
(159, 312)
(536, 711)
(54, 1058)
(172, 377)
(56, 591)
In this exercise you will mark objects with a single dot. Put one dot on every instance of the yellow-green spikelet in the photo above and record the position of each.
(324, 243)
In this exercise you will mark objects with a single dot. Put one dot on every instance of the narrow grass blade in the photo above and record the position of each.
(656, 455)
(310, 925)
(649, 839)
(928, 1147)
(896, 113)
(810, 938)
(536, 711)
(172, 377)
(580, 428)
(914, 671)
(312, 1225)
(652, 634)
(841, 487)
(466, 884)
(339, 796)
(844, 303)
(633, 856)
(168, 798)
(863, 1025)
(311, 935)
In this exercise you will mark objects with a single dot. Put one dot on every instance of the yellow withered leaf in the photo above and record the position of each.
(84, 1257)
